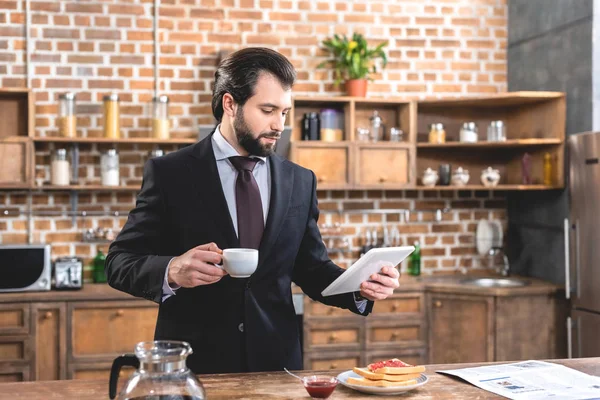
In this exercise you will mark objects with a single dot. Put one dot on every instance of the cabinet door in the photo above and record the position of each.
(332, 360)
(384, 165)
(103, 330)
(12, 373)
(329, 162)
(49, 327)
(14, 318)
(461, 328)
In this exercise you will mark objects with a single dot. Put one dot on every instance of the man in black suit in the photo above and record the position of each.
(230, 190)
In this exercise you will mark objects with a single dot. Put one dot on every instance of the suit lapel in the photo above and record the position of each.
(282, 177)
(208, 190)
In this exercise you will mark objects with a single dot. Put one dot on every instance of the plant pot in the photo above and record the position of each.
(356, 87)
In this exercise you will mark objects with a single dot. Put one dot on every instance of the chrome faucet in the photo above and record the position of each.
(503, 269)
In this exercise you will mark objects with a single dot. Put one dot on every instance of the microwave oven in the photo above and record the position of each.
(25, 267)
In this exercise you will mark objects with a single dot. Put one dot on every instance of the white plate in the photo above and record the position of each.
(484, 237)
(498, 233)
(343, 378)
(369, 264)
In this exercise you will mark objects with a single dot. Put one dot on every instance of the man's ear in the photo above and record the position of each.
(229, 105)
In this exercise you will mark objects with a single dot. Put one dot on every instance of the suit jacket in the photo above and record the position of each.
(233, 325)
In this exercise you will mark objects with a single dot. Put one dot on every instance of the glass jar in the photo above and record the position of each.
(362, 134)
(110, 168)
(160, 117)
(60, 174)
(469, 133)
(396, 134)
(156, 153)
(437, 133)
(332, 125)
(67, 124)
(376, 127)
(112, 128)
(496, 131)
(161, 373)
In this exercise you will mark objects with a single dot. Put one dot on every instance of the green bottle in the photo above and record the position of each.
(98, 265)
(415, 261)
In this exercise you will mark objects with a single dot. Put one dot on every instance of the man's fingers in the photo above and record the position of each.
(207, 256)
(385, 280)
(208, 269)
(201, 278)
(209, 247)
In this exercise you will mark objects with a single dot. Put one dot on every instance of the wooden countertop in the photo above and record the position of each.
(275, 385)
(437, 284)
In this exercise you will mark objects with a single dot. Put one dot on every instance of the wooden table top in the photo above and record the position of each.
(275, 385)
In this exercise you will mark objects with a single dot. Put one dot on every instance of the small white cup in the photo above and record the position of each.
(240, 263)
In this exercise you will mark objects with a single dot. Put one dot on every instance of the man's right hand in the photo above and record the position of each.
(196, 267)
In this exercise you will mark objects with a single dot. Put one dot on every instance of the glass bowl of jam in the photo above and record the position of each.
(319, 386)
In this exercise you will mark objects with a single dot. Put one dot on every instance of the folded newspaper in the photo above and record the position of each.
(532, 380)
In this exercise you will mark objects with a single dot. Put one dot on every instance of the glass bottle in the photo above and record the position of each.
(109, 168)
(98, 267)
(496, 131)
(67, 124)
(376, 127)
(437, 133)
(415, 261)
(547, 169)
(160, 117)
(161, 373)
(112, 128)
(60, 170)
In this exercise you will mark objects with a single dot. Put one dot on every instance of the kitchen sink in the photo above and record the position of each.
(495, 282)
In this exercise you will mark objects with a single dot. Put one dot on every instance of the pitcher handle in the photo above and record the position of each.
(125, 360)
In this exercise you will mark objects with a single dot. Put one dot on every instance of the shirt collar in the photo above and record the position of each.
(223, 149)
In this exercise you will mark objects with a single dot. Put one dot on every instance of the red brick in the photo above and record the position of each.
(429, 20)
(278, 16)
(63, 83)
(362, 18)
(178, 12)
(207, 13)
(92, 34)
(45, 6)
(140, 60)
(105, 84)
(11, 31)
(224, 38)
(75, 59)
(126, 9)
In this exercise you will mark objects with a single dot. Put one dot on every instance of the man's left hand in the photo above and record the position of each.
(381, 285)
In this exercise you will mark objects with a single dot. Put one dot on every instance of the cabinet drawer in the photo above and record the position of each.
(400, 304)
(417, 356)
(332, 361)
(316, 309)
(333, 337)
(328, 161)
(409, 335)
(106, 330)
(12, 373)
(14, 319)
(98, 371)
(383, 165)
(14, 348)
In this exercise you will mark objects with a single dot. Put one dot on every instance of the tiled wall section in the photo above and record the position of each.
(436, 48)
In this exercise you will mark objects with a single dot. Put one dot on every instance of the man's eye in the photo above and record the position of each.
(267, 111)
(284, 114)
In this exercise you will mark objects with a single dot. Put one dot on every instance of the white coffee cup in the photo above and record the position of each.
(240, 263)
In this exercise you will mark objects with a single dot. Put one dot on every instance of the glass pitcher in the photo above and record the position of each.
(161, 373)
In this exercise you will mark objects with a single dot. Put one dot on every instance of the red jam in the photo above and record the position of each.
(389, 363)
(320, 387)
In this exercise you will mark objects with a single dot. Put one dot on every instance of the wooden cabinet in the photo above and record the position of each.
(383, 165)
(477, 328)
(329, 162)
(14, 318)
(461, 328)
(49, 335)
(337, 339)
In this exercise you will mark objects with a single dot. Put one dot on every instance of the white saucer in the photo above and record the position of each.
(343, 378)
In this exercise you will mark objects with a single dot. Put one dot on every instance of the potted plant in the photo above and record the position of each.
(353, 61)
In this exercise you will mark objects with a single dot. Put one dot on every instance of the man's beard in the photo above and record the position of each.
(251, 144)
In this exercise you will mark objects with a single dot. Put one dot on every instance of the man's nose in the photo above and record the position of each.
(278, 124)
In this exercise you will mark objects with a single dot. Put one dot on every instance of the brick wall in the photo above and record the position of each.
(444, 47)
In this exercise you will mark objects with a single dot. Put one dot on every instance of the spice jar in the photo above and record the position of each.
(437, 134)
(66, 115)
(112, 127)
(60, 174)
(468, 132)
(496, 131)
(109, 166)
(160, 117)
(376, 127)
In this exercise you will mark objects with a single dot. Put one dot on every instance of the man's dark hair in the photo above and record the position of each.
(238, 73)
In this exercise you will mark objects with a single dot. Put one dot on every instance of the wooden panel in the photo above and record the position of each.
(16, 161)
(461, 328)
(14, 108)
(416, 356)
(12, 373)
(316, 309)
(400, 304)
(382, 165)
(14, 318)
(394, 335)
(13, 348)
(49, 327)
(333, 337)
(101, 329)
(525, 328)
(333, 361)
(328, 161)
(100, 371)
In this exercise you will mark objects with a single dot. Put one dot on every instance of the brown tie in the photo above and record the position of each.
(248, 203)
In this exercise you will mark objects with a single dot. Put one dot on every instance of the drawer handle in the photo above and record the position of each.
(332, 338)
(382, 179)
(120, 313)
(395, 335)
(47, 315)
(395, 307)
(438, 303)
(333, 366)
(321, 179)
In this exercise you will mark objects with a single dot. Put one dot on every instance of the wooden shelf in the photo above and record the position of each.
(58, 139)
(492, 145)
(6, 186)
(121, 188)
(496, 100)
(481, 187)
